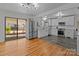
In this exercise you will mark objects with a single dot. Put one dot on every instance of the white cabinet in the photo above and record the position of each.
(69, 28)
(53, 27)
(69, 33)
(69, 20)
(78, 43)
(50, 22)
(54, 22)
(69, 24)
(42, 33)
(54, 31)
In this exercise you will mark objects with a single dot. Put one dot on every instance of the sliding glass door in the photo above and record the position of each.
(21, 28)
(11, 28)
(15, 28)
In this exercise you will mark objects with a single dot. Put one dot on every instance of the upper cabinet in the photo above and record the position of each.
(54, 22)
(66, 21)
(69, 20)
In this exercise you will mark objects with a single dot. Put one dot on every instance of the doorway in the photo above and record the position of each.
(15, 28)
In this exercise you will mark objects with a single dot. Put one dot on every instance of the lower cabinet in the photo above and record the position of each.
(69, 33)
(54, 31)
(77, 43)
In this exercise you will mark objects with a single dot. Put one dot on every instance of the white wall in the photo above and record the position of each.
(41, 32)
(2, 29)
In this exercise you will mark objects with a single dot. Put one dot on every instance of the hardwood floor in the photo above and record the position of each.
(34, 47)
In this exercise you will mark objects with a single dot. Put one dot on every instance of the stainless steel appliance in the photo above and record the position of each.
(61, 23)
(61, 32)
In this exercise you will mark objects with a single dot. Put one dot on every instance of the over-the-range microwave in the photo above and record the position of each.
(61, 23)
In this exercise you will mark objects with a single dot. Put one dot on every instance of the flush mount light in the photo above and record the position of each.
(30, 5)
(44, 18)
(59, 14)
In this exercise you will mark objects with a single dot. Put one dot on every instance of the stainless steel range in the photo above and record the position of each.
(61, 32)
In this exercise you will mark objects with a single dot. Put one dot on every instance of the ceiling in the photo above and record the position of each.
(16, 7)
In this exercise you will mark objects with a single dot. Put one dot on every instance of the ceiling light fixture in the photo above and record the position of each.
(30, 5)
(44, 18)
(59, 14)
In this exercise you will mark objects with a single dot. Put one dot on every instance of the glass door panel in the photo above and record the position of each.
(11, 28)
(21, 28)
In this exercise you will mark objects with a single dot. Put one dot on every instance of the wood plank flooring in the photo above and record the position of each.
(34, 47)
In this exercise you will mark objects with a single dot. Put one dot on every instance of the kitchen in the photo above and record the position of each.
(61, 30)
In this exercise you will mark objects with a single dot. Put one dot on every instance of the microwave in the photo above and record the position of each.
(61, 23)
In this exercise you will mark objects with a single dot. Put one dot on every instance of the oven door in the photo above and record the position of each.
(61, 32)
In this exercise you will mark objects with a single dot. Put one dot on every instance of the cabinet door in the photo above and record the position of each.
(54, 22)
(69, 20)
(54, 31)
(69, 33)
